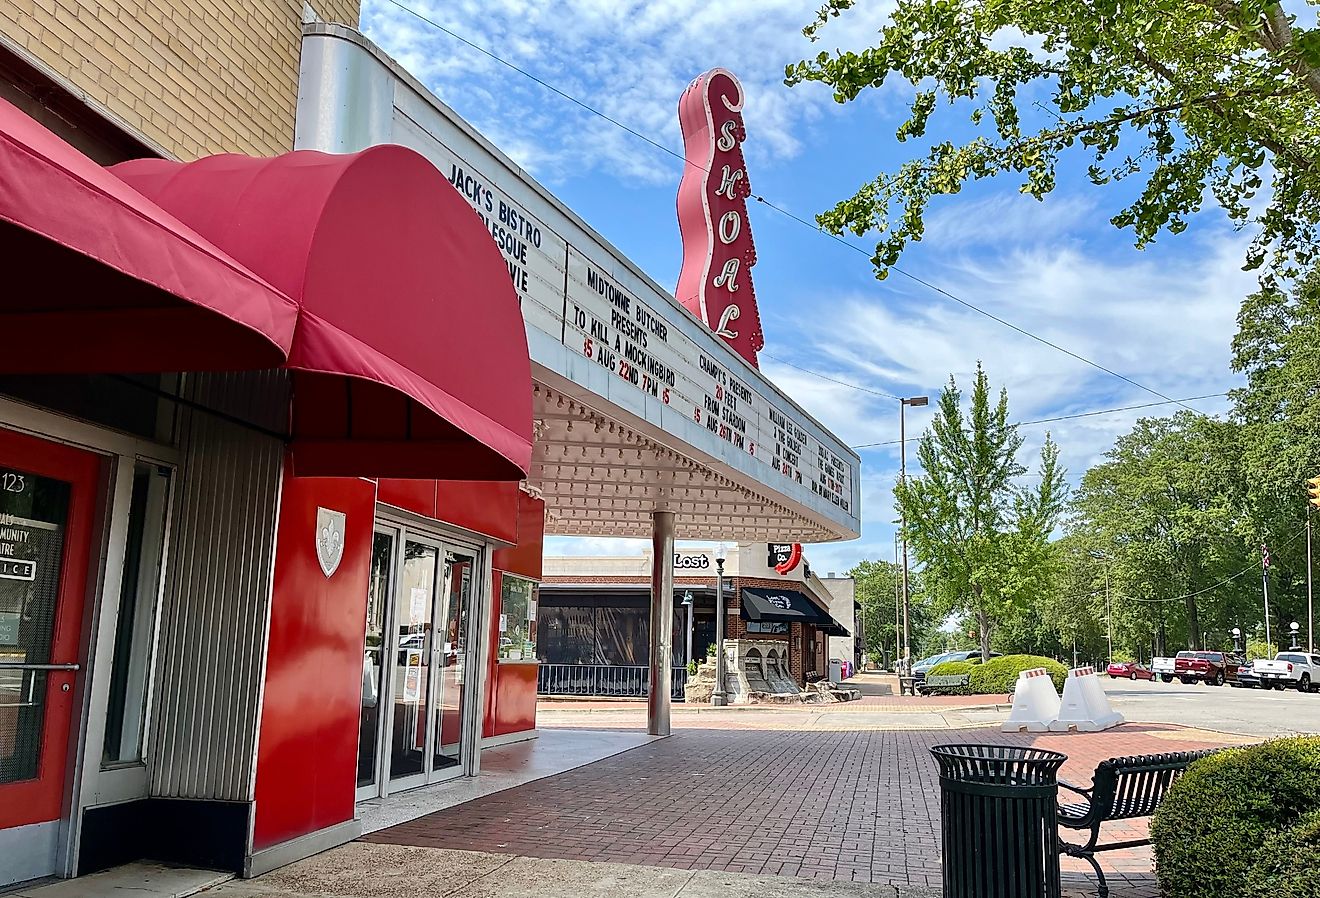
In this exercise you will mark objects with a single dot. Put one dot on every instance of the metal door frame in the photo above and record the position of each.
(405, 528)
(86, 784)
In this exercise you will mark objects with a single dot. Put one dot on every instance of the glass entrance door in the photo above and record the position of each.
(415, 651)
(375, 660)
(460, 568)
(422, 614)
(47, 496)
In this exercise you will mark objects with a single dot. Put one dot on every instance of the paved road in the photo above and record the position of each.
(1251, 712)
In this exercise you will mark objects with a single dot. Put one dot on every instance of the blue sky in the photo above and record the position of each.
(1163, 316)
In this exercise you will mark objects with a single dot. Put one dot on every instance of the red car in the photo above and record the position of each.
(1214, 668)
(1129, 670)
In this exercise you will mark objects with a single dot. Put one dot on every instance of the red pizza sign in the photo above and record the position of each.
(715, 283)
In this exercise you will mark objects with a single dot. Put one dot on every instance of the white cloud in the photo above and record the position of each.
(631, 61)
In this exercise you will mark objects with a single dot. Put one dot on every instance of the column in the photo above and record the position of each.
(662, 622)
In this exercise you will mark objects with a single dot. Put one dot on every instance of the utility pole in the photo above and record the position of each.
(915, 402)
(1312, 487)
(1109, 617)
(1265, 588)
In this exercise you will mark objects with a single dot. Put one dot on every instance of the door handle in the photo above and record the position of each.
(20, 665)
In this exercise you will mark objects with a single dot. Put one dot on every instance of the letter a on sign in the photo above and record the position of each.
(329, 539)
(718, 254)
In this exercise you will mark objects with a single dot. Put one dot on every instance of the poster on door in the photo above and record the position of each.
(412, 676)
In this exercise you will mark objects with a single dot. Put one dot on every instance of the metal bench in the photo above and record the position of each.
(1121, 788)
(945, 682)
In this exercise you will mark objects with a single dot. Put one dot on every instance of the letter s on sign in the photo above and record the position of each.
(728, 138)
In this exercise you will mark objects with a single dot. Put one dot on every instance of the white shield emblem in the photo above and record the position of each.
(329, 539)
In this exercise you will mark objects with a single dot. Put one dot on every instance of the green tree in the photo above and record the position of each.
(1277, 347)
(1190, 98)
(984, 540)
(1166, 511)
(877, 585)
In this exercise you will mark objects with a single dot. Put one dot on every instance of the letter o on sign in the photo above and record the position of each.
(730, 227)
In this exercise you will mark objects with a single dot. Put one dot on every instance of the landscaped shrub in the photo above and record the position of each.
(1288, 864)
(999, 674)
(1212, 826)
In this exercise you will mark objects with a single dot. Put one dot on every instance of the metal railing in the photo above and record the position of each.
(613, 680)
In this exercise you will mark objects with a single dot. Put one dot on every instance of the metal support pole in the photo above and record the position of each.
(662, 622)
(688, 655)
(898, 609)
(1310, 614)
(902, 523)
(1265, 587)
(1109, 618)
(718, 697)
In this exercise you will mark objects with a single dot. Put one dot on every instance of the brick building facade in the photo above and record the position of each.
(622, 581)
(184, 78)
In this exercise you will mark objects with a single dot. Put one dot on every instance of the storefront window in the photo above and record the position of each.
(517, 619)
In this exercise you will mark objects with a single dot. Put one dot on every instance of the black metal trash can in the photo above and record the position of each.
(997, 821)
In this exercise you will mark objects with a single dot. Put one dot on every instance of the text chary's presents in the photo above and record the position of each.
(1085, 707)
(1035, 703)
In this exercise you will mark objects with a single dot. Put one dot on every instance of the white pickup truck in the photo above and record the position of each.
(1164, 667)
(1289, 670)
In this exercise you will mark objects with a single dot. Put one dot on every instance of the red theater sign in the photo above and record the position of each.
(718, 254)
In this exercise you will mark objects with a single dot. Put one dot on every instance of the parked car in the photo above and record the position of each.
(1164, 667)
(1129, 670)
(1246, 677)
(1215, 668)
(1290, 670)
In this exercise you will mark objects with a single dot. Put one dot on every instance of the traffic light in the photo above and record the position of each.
(1313, 487)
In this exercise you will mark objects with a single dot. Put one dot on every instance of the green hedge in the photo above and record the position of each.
(1288, 863)
(1226, 818)
(998, 675)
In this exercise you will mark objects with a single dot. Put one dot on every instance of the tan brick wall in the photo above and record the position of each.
(194, 77)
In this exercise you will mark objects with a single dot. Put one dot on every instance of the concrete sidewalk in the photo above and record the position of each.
(363, 870)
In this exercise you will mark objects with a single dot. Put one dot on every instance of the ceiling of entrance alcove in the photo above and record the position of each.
(602, 477)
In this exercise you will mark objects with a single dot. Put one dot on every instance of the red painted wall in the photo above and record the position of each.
(487, 507)
(307, 754)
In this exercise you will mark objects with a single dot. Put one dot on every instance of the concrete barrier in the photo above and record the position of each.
(1085, 707)
(1035, 703)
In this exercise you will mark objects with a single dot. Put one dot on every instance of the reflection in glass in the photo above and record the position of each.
(139, 591)
(449, 700)
(373, 660)
(34, 512)
(517, 619)
(416, 600)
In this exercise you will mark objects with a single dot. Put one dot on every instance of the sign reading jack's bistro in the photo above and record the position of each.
(572, 298)
(584, 295)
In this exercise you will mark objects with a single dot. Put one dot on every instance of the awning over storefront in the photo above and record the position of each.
(410, 357)
(786, 605)
(98, 278)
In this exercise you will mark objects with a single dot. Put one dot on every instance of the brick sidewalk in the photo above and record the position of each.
(851, 805)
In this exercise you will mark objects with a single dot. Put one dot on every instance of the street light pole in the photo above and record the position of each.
(688, 603)
(718, 697)
(898, 608)
(1310, 616)
(915, 402)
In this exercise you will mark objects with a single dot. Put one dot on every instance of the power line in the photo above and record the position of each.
(842, 383)
(1103, 411)
(762, 200)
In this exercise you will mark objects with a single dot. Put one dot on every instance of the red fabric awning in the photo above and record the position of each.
(410, 355)
(98, 278)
